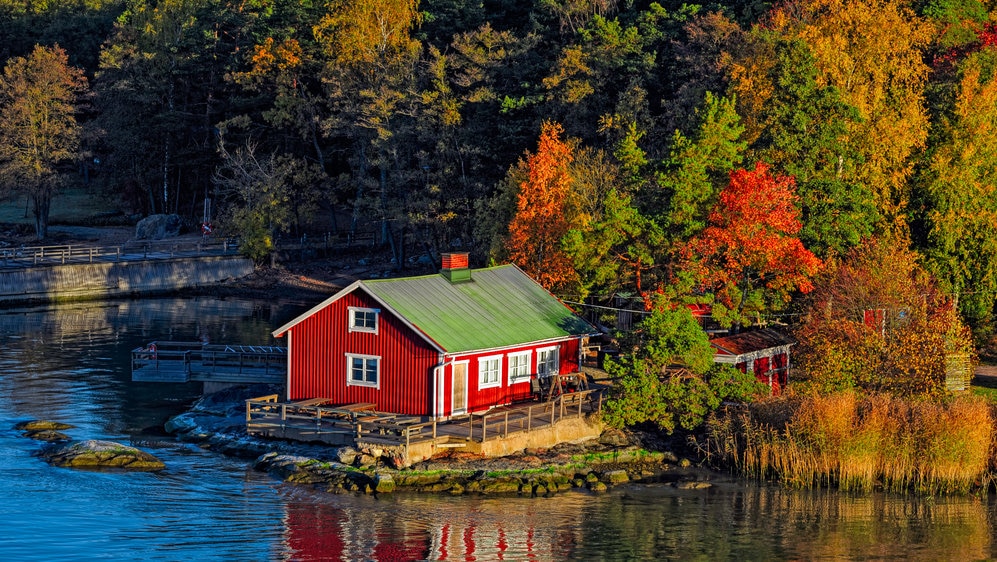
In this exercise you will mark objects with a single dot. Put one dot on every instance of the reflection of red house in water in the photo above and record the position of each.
(353, 529)
(762, 352)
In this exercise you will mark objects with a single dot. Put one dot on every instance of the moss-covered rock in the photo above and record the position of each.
(597, 486)
(614, 477)
(501, 485)
(385, 484)
(42, 425)
(100, 454)
(48, 435)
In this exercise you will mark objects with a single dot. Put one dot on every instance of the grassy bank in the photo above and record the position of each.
(860, 443)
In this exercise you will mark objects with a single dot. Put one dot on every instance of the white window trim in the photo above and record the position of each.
(481, 372)
(555, 349)
(529, 367)
(353, 310)
(349, 370)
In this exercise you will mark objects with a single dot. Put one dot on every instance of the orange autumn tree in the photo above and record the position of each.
(749, 256)
(543, 207)
(878, 321)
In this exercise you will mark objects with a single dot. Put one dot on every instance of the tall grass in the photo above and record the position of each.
(860, 443)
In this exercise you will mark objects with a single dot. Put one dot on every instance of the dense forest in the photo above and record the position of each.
(724, 151)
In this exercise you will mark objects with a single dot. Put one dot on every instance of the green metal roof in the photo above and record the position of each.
(498, 307)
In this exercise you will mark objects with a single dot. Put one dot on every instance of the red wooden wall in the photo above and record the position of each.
(479, 399)
(318, 365)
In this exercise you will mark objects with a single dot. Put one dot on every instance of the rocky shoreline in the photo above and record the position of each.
(217, 422)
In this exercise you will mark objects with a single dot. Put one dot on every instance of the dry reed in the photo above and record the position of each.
(862, 443)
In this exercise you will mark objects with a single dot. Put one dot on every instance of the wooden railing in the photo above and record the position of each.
(542, 414)
(26, 256)
(265, 413)
(211, 361)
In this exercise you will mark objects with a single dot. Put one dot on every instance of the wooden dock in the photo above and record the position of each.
(172, 361)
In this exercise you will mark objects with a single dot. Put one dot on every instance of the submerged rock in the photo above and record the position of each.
(47, 435)
(100, 454)
(43, 430)
(692, 485)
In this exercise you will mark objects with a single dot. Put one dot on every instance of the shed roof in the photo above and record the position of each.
(498, 307)
(751, 342)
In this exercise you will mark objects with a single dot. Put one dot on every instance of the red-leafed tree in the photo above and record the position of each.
(542, 214)
(749, 257)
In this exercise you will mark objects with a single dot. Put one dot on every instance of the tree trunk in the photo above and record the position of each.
(385, 231)
(359, 195)
(42, 203)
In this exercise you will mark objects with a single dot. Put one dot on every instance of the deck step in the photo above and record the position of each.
(451, 445)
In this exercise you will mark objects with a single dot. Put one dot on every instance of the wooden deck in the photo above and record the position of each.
(170, 361)
(352, 424)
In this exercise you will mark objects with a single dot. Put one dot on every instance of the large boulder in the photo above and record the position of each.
(157, 227)
(100, 454)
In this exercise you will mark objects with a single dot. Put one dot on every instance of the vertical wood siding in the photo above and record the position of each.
(480, 399)
(319, 368)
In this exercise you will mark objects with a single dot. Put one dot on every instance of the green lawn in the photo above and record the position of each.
(72, 206)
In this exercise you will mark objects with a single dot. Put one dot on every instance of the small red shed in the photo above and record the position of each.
(763, 352)
(438, 346)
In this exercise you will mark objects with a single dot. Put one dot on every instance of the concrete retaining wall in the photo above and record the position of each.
(116, 279)
(566, 430)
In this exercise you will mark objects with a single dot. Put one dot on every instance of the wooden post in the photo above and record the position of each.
(529, 419)
(434, 429)
(484, 428)
(506, 433)
(249, 416)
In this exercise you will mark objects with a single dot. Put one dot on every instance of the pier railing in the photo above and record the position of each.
(29, 256)
(175, 361)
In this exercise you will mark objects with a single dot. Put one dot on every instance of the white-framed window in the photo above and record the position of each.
(363, 319)
(548, 362)
(519, 367)
(489, 371)
(363, 370)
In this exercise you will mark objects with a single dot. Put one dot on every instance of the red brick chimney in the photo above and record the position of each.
(455, 267)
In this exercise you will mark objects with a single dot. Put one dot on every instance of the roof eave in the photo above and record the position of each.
(535, 343)
(279, 332)
(349, 289)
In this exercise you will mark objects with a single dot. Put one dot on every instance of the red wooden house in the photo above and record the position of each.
(438, 346)
(762, 352)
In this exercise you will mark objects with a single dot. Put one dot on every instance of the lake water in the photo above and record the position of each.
(70, 363)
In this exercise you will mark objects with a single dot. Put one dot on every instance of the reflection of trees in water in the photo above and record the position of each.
(729, 521)
(72, 361)
(771, 522)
